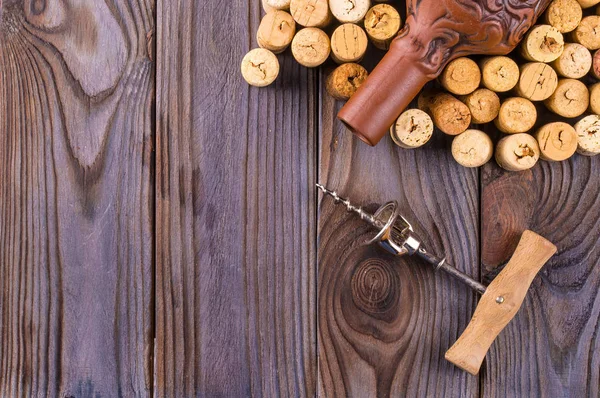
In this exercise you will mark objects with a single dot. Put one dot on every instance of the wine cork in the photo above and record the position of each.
(516, 115)
(594, 106)
(575, 61)
(595, 71)
(517, 152)
(537, 81)
(449, 114)
(564, 15)
(588, 32)
(260, 67)
(278, 4)
(349, 11)
(343, 82)
(348, 43)
(276, 31)
(412, 129)
(311, 47)
(266, 6)
(311, 13)
(473, 148)
(483, 104)
(557, 141)
(588, 135)
(425, 98)
(588, 3)
(543, 43)
(499, 74)
(571, 98)
(461, 77)
(382, 24)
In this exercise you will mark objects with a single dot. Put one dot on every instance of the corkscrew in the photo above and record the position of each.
(500, 301)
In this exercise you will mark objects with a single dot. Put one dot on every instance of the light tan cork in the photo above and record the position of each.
(537, 81)
(260, 67)
(311, 13)
(575, 61)
(310, 47)
(449, 114)
(543, 43)
(413, 129)
(588, 32)
(276, 31)
(382, 24)
(277, 4)
(564, 15)
(499, 74)
(484, 105)
(349, 11)
(473, 148)
(517, 152)
(557, 141)
(461, 77)
(595, 99)
(343, 82)
(571, 98)
(348, 43)
(588, 3)
(588, 135)
(517, 115)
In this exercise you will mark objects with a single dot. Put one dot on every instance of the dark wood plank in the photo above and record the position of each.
(385, 323)
(552, 347)
(76, 194)
(236, 216)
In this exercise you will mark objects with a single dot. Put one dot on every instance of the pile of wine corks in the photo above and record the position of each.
(556, 67)
(317, 30)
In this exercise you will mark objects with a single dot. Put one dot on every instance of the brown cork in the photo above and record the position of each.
(382, 24)
(588, 3)
(557, 141)
(499, 74)
(543, 43)
(349, 11)
(276, 31)
(260, 67)
(449, 114)
(483, 104)
(571, 98)
(517, 152)
(473, 148)
(348, 43)
(595, 71)
(588, 32)
(413, 129)
(461, 77)
(575, 61)
(564, 15)
(517, 115)
(595, 99)
(537, 81)
(343, 82)
(277, 4)
(311, 47)
(311, 13)
(588, 135)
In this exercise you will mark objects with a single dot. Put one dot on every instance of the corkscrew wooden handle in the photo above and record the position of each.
(501, 301)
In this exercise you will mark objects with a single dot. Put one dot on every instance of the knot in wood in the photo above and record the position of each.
(374, 286)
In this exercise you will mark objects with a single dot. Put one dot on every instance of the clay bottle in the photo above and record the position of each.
(436, 32)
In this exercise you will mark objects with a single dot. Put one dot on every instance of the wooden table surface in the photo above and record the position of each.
(160, 231)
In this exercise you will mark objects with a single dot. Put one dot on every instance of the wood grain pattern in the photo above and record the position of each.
(76, 89)
(551, 348)
(236, 216)
(384, 322)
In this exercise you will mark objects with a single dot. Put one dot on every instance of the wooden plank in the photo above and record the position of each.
(236, 216)
(552, 347)
(384, 322)
(76, 184)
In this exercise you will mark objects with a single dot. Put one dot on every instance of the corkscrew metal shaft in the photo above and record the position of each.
(396, 236)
